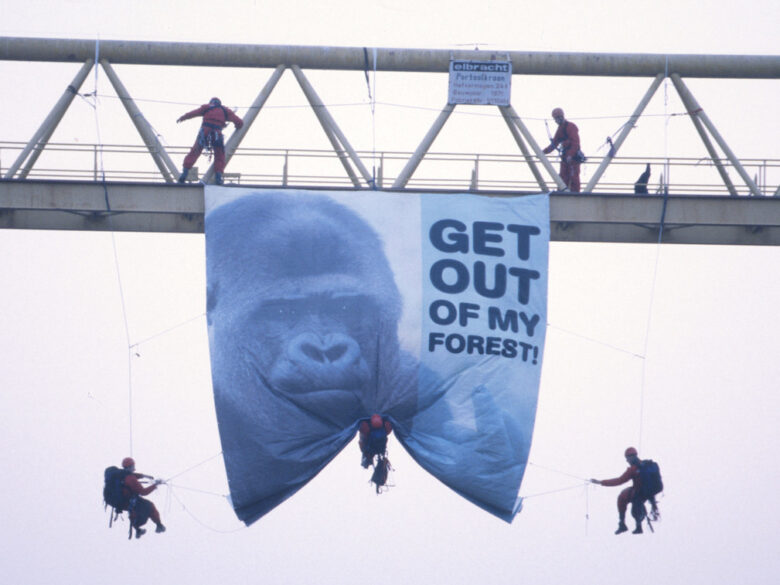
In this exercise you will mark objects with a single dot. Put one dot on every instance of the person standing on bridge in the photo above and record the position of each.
(215, 118)
(567, 139)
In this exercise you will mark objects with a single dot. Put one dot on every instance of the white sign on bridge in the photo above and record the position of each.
(487, 83)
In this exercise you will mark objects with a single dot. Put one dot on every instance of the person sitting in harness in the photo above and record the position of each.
(373, 438)
(646, 484)
(215, 118)
(373, 448)
(140, 508)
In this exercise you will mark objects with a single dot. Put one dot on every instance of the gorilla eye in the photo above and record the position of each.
(350, 310)
(279, 310)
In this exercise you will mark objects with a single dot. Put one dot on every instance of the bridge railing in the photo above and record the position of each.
(437, 171)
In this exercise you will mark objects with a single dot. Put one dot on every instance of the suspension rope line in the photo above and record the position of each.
(168, 330)
(558, 471)
(375, 102)
(197, 490)
(373, 123)
(587, 507)
(547, 493)
(657, 258)
(211, 528)
(120, 285)
(194, 466)
(596, 341)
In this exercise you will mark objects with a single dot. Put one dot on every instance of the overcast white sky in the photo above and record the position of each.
(670, 348)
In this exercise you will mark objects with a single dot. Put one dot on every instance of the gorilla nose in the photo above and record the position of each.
(330, 349)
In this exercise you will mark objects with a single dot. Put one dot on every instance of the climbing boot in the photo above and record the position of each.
(139, 532)
(160, 528)
(621, 528)
(183, 176)
(218, 179)
(637, 530)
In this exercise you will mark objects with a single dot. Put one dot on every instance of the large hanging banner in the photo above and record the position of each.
(325, 307)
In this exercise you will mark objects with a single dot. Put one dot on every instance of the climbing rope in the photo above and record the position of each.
(101, 168)
(193, 467)
(583, 484)
(372, 102)
(199, 521)
(555, 491)
(596, 341)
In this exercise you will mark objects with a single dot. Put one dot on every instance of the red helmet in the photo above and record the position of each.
(376, 421)
(128, 462)
(631, 452)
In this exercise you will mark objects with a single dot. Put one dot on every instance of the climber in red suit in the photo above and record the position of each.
(568, 137)
(215, 118)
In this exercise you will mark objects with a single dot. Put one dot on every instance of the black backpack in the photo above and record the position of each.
(650, 480)
(113, 494)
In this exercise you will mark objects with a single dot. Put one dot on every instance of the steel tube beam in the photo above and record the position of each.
(334, 141)
(159, 155)
(329, 123)
(387, 59)
(699, 112)
(506, 113)
(714, 156)
(238, 135)
(536, 148)
(144, 207)
(44, 132)
(411, 165)
(627, 127)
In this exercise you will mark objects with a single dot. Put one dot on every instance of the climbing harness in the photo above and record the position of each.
(210, 137)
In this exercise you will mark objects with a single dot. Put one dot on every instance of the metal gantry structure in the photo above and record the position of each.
(656, 67)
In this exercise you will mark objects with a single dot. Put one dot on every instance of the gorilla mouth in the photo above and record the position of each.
(325, 379)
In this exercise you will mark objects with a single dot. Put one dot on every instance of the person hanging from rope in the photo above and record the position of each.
(646, 484)
(141, 509)
(215, 118)
(373, 447)
(567, 140)
(373, 438)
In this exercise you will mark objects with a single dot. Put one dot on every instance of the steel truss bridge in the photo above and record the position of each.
(157, 204)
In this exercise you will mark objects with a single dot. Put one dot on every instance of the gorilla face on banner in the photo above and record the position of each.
(305, 317)
(303, 312)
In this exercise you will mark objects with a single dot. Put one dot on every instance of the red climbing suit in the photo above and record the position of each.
(215, 118)
(568, 136)
(632, 473)
(133, 487)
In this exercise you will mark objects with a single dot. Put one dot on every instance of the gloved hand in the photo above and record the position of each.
(596, 481)
(181, 119)
(158, 481)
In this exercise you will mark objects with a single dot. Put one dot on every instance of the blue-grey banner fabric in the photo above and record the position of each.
(327, 307)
